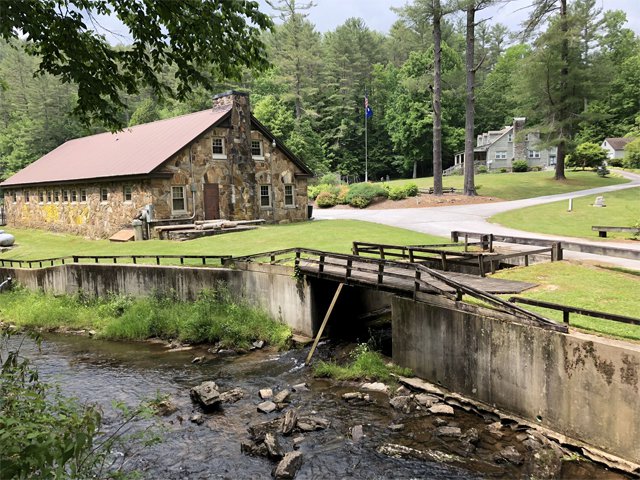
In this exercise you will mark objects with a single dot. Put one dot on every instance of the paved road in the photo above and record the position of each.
(441, 221)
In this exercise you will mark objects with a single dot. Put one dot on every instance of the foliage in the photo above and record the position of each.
(326, 199)
(314, 190)
(341, 198)
(411, 189)
(519, 166)
(587, 155)
(362, 194)
(632, 154)
(366, 364)
(216, 316)
(44, 434)
(197, 37)
(330, 179)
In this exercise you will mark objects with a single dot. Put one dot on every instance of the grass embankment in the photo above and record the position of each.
(214, 317)
(366, 364)
(329, 235)
(514, 186)
(588, 287)
(622, 210)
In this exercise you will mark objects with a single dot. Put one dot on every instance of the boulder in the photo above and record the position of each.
(254, 448)
(495, 429)
(310, 423)
(289, 422)
(298, 441)
(509, 454)
(206, 394)
(265, 393)
(165, 407)
(396, 427)
(449, 432)
(357, 433)
(471, 436)
(232, 396)
(197, 418)
(356, 397)
(426, 400)
(401, 402)
(267, 407)
(282, 396)
(258, 344)
(274, 450)
(259, 430)
(441, 409)
(288, 466)
(375, 387)
(300, 387)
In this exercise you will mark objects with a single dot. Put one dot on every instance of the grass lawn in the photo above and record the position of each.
(514, 186)
(329, 235)
(588, 287)
(622, 210)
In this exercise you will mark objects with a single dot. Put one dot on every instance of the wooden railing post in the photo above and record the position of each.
(380, 272)
(416, 283)
(296, 262)
(349, 265)
(321, 265)
(481, 264)
(466, 242)
(443, 258)
(454, 237)
(381, 251)
(491, 243)
(565, 316)
(411, 259)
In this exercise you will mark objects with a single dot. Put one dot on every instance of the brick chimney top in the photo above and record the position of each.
(226, 98)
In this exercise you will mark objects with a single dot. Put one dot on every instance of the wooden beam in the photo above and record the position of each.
(324, 323)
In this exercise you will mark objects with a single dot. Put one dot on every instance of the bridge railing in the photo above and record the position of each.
(135, 259)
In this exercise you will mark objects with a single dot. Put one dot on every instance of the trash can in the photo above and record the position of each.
(137, 230)
(309, 211)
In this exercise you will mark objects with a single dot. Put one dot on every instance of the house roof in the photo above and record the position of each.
(137, 150)
(618, 143)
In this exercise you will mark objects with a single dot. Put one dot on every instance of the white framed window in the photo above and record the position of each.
(104, 194)
(289, 196)
(41, 196)
(126, 193)
(534, 154)
(14, 196)
(74, 196)
(65, 196)
(510, 138)
(218, 147)
(26, 196)
(83, 195)
(256, 149)
(178, 202)
(552, 159)
(265, 196)
(501, 155)
(49, 196)
(56, 196)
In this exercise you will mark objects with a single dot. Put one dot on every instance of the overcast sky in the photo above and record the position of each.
(377, 14)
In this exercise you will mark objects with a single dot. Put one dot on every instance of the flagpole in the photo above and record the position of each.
(366, 153)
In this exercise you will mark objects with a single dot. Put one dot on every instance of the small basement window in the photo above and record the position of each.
(256, 149)
(265, 196)
(218, 147)
(126, 193)
(104, 194)
(289, 197)
(178, 204)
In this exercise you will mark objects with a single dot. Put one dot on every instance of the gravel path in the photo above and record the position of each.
(441, 221)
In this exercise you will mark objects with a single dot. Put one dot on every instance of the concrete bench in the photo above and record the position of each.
(602, 231)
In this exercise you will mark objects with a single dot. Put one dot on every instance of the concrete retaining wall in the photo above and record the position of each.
(582, 386)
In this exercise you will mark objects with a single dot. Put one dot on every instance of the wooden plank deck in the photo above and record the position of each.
(403, 280)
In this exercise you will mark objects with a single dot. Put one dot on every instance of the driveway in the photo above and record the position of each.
(441, 221)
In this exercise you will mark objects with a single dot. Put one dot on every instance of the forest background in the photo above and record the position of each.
(312, 96)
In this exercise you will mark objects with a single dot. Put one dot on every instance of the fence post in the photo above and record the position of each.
(354, 249)
(381, 250)
(380, 271)
(491, 243)
(410, 254)
(454, 237)
(481, 264)
(416, 283)
(349, 265)
(565, 316)
(466, 242)
(443, 257)
(296, 262)
(321, 265)
(75, 259)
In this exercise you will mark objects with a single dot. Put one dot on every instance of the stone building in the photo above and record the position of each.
(218, 163)
(498, 149)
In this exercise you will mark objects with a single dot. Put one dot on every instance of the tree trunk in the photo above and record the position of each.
(415, 169)
(437, 96)
(469, 180)
(564, 82)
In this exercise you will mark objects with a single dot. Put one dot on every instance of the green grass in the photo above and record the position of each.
(213, 317)
(582, 286)
(514, 186)
(622, 210)
(366, 364)
(328, 235)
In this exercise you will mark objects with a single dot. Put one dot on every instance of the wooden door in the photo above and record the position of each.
(211, 201)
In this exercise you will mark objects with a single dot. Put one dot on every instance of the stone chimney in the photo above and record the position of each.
(241, 188)
(519, 147)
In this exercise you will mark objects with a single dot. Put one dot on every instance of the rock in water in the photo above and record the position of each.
(357, 433)
(267, 407)
(289, 422)
(265, 393)
(232, 396)
(375, 387)
(426, 400)
(197, 418)
(206, 394)
(274, 450)
(288, 466)
(441, 409)
(282, 396)
(310, 423)
(448, 432)
(401, 402)
(165, 407)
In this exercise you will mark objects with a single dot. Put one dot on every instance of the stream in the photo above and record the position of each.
(101, 371)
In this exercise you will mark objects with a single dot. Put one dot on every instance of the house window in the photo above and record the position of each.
(501, 155)
(104, 194)
(126, 193)
(41, 196)
(74, 196)
(65, 196)
(510, 138)
(526, 137)
(534, 154)
(218, 147)
(49, 196)
(178, 204)
(256, 148)
(56, 196)
(14, 196)
(26, 196)
(83, 195)
(289, 198)
(265, 196)
(552, 159)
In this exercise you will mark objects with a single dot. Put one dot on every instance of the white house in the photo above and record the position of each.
(499, 148)
(615, 146)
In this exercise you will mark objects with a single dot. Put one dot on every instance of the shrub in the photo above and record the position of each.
(366, 192)
(616, 162)
(397, 193)
(632, 154)
(482, 169)
(341, 198)
(411, 189)
(503, 170)
(330, 179)
(536, 168)
(519, 166)
(602, 171)
(316, 190)
(326, 200)
(359, 202)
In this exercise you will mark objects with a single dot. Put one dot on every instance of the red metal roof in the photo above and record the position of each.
(135, 151)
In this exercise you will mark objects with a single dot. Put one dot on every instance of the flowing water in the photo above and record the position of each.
(100, 371)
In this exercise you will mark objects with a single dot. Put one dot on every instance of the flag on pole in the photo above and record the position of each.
(367, 109)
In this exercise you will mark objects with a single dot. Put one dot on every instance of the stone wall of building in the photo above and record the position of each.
(90, 217)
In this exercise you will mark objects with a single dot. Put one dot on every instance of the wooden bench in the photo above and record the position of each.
(444, 190)
(602, 231)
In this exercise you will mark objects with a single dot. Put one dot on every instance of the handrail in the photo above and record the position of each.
(96, 259)
(566, 310)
